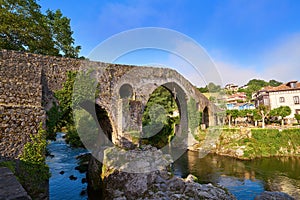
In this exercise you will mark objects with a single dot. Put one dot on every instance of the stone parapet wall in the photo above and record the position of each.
(20, 76)
(16, 125)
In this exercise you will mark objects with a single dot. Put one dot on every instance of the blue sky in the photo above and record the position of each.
(245, 39)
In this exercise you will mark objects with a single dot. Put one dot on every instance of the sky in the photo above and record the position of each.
(244, 39)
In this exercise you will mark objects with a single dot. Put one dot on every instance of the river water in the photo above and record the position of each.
(245, 179)
(62, 166)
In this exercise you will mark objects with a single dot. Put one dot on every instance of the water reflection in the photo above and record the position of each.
(245, 179)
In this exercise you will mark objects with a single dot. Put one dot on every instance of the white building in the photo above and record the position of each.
(287, 94)
(231, 87)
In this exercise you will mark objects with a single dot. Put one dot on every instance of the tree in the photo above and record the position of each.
(297, 116)
(282, 112)
(274, 83)
(256, 116)
(211, 87)
(62, 33)
(203, 89)
(24, 28)
(228, 114)
(253, 86)
(263, 111)
(232, 114)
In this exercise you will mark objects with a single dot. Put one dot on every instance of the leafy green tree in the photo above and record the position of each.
(24, 28)
(158, 120)
(263, 111)
(203, 89)
(256, 84)
(228, 114)
(62, 33)
(274, 83)
(297, 116)
(256, 116)
(282, 112)
(211, 87)
(35, 150)
(232, 114)
(193, 116)
(253, 86)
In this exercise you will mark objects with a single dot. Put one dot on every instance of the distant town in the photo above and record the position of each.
(258, 93)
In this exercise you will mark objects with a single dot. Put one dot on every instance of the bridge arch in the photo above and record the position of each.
(205, 116)
(90, 136)
(144, 81)
(179, 98)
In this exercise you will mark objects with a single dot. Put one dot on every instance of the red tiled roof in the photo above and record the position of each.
(281, 87)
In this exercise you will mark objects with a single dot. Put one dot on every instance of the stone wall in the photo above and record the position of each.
(20, 77)
(16, 124)
(27, 82)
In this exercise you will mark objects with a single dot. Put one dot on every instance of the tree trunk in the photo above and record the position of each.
(263, 122)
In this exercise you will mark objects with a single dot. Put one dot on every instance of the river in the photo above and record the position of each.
(245, 179)
(62, 165)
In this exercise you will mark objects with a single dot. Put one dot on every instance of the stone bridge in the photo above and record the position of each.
(27, 83)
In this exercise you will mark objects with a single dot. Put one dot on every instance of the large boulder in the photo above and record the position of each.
(135, 174)
(273, 195)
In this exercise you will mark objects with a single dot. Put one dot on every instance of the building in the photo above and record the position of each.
(238, 101)
(238, 97)
(287, 94)
(240, 106)
(231, 87)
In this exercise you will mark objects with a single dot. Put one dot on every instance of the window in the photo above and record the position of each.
(296, 99)
(281, 99)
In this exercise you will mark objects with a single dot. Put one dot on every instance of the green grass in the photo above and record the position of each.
(260, 142)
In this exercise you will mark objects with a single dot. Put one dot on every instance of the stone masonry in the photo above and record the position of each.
(27, 83)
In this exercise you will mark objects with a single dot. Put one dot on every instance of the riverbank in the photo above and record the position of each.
(248, 143)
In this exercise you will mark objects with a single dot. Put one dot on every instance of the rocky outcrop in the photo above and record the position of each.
(273, 195)
(10, 188)
(143, 174)
(158, 185)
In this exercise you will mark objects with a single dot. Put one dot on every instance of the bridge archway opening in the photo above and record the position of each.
(126, 91)
(104, 125)
(162, 115)
(205, 117)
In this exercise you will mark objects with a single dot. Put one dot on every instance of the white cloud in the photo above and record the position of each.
(233, 73)
(282, 61)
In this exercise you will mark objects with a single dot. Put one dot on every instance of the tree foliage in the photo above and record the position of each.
(158, 120)
(35, 150)
(211, 87)
(281, 111)
(274, 83)
(297, 116)
(24, 28)
(256, 84)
